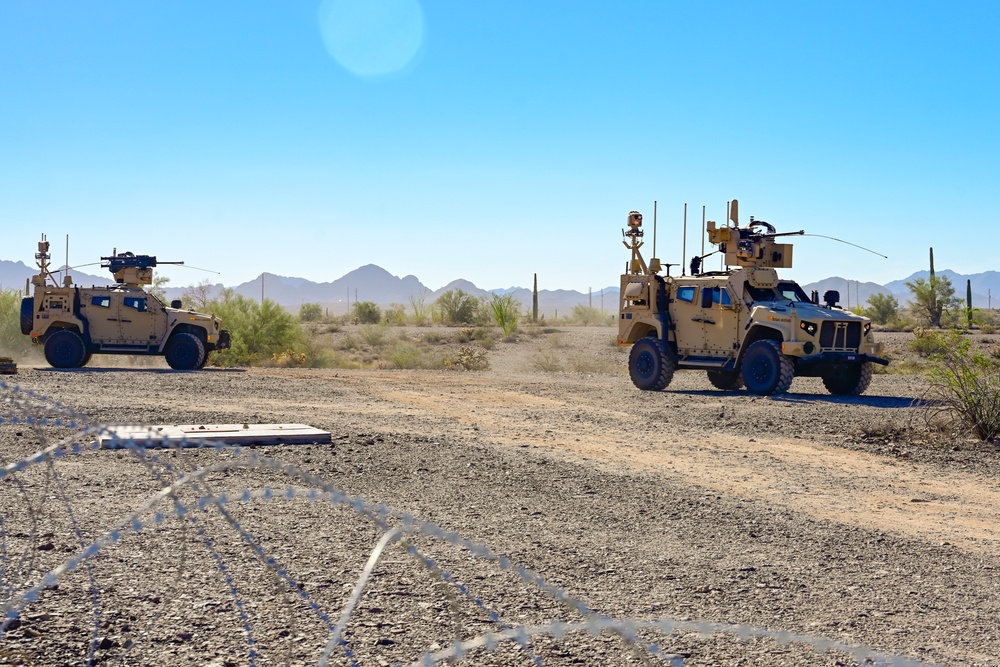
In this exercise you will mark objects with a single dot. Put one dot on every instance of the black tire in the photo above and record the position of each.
(27, 315)
(849, 380)
(726, 380)
(65, 349)
(648, 366)
(766, 370)
(86, 359)
(185, 352)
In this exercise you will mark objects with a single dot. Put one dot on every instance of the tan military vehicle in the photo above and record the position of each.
(73, 323)
(743, 326)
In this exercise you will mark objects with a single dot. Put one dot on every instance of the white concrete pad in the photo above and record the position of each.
(191, 435)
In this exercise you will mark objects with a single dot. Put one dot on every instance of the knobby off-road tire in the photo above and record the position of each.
(185, 352)
(849, 380)
(766, 370)
(649, 367)
(65, 349)
(726, 380)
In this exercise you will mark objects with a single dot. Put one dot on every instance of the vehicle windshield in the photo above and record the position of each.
(786, 290)
(791, 291)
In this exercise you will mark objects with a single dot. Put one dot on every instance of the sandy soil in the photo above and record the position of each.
(842, 518)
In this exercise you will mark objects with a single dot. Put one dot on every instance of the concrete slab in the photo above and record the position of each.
(190, 435)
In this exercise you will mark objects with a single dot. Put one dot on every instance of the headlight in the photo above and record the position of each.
(868, 327)
(808, 327)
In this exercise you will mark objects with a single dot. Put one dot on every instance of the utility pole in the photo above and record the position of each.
(590, 298)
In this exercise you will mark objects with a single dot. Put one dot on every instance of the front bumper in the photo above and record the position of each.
(819, 362)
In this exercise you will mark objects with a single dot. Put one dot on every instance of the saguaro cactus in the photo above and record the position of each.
(534, 301)
(968, 301)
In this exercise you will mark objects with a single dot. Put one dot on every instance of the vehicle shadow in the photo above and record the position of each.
(157, 371)
(893, 402)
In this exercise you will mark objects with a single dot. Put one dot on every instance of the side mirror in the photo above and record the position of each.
(706, 297)
(176, 304)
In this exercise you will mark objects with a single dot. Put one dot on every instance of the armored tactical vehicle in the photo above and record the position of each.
(743, 326)
(73, 323)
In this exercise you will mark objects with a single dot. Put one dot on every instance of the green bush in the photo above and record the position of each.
(367, 312)
(586, 315)
(506, 313)
(470, 359)
(395, 313)
(927, 343)
(457, 307)
(373, 334)
(259, 330)
(882, 308)
(310, 312)
(965, 386)
(12, 342)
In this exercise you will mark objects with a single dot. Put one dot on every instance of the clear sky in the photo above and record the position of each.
(489, 140)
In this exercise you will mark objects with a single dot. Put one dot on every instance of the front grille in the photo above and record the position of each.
(840, 336)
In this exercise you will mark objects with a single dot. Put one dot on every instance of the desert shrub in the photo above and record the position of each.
(547, 361)
(926, 343)
(395, 313)
(421, 313)
(434, 338)
(882, 308)
(965, 386)
(12, 342)
(289, 359)
(310, 312)
(373, 334)
(457, 307)
(987, 328)
(586, 315)
(259, 330)
(406, 355)
(327, 358)
(367, 312)
(506, 313)
(587, 363)
(470, 359)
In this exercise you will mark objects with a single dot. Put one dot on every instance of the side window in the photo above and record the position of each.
(686, 293)
(720, 295)
(135, 302)
(101, 301)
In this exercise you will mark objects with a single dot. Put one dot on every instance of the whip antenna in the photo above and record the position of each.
(822, 236)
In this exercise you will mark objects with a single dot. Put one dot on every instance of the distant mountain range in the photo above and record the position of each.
(373, 283)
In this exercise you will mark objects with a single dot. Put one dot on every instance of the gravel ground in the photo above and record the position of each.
(831, 517)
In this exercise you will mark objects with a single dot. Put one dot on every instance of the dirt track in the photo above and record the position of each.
(835, 517)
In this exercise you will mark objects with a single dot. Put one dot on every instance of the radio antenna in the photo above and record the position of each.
(822, 236)
(684, 239)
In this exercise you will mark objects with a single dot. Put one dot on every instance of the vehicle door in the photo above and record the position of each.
(100, 309)
(720, 321)
(686, 316)
(142, 320)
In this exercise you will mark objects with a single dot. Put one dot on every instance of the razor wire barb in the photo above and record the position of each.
(18, 406)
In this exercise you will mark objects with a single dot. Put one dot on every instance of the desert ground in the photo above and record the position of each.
(843, 520)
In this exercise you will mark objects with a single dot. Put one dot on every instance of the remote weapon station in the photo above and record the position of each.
(744, 325)
(73, 323)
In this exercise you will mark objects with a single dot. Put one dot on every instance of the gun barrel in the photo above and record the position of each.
(798, 233)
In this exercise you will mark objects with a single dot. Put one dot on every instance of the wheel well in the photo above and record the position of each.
(640, 331)
(60, 326)
(191, 329)
(756, 334)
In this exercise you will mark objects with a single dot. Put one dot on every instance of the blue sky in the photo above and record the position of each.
(491, 140)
